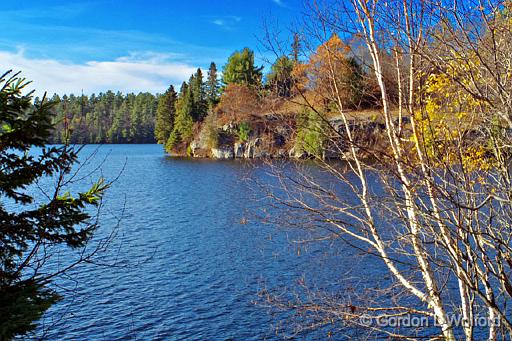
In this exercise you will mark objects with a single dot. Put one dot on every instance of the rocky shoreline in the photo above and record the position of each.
(274, 137)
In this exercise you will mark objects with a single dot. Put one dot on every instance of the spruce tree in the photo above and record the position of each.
(241, 70)
(29, 224)
(212, 86)
(199, 102)
(165, 114)
(183, 122)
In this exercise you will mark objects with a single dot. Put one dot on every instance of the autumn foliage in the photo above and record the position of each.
(331, 70)
(238, 103)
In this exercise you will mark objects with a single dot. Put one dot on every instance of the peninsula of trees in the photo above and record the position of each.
(246, 114)
(239, 112)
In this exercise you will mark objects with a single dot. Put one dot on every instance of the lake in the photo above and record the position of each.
(191, 256)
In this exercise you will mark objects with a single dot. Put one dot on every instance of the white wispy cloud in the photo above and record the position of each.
(227, 22)
(279, 3)
(219, 22)
(139, 71)
(81, 44)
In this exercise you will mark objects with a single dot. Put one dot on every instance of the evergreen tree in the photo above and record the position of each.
(280, 78)
(241, 70)
(295, 48)
(183, 122)
(61, 219)
(199, 102)
(212, 86)
(106, 118)
(311, 132)
(184, 88)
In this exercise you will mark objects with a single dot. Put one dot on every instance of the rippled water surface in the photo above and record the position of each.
(191, 256)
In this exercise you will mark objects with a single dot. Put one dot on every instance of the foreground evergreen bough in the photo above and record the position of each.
(31, 228)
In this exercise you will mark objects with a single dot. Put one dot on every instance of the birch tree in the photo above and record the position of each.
(432, 199)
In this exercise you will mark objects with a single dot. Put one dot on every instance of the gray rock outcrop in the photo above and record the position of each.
(238, 150)
(223, 152)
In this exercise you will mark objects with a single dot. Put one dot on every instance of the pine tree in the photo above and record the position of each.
(199, 103)
(165, 114)
(280, 78)
(183, 122)
(212, 86)
(241, 70)
(62, 219)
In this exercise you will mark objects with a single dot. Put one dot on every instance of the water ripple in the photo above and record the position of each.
(189, 269)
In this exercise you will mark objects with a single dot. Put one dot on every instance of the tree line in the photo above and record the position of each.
(169, 118)
(104, 118)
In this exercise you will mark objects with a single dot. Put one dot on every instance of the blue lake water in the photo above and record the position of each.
(191, 256)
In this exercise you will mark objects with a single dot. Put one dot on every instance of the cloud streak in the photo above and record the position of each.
(219, 22)
(227, 22)
(81, 44)
(140, 71)
(279, 3)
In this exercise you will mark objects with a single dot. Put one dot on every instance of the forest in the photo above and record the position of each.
(241, 95)
(246, 113)
(104, 118)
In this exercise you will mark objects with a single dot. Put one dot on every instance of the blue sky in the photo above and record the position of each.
(131, 45)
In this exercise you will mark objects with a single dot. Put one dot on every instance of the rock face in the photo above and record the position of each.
(199, 146)
(273, 137)
(194, 147)
(223, 152)
(238, 150)
(251, 149)
(229, 127)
